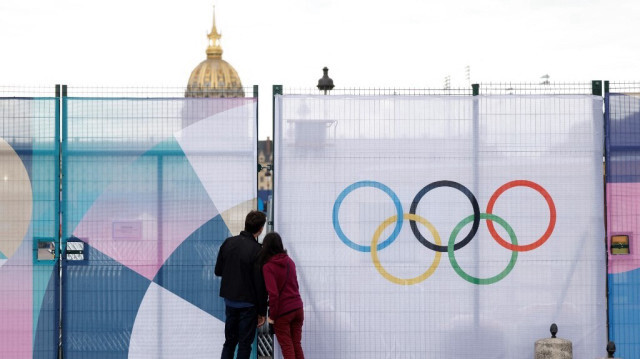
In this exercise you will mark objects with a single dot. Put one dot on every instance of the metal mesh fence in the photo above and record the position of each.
(126, 91)
(27, 91)
(29, 185)
(360, 91)
(522, 88)
(623, 216)
(157, 92)
(143, 189)
(488, 88)
(624, 86)
(93, 126)
(485, 88)
(347, 166)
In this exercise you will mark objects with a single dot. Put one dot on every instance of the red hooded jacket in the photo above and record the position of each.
(284, 295)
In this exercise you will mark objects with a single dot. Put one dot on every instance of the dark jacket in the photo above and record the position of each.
(241, 276)
(284, 294)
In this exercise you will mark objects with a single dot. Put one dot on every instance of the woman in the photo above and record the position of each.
(285, 304)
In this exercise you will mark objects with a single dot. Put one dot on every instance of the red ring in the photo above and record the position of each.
(552, 212)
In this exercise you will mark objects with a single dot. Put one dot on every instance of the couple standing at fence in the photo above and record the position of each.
(249, 272)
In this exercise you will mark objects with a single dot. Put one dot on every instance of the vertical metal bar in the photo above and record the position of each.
(255, 95)
(476, 186)
(61, 91)
(277, 90)
(475, 88)
(57, 211)
(596, 88)
(160, 240)
(254, 348)
(607, 145)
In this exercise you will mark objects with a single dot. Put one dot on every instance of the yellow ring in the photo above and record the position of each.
(389, 276)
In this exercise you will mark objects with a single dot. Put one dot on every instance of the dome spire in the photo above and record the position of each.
(214, 51)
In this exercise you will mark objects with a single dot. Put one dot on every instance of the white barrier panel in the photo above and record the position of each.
(443, 227)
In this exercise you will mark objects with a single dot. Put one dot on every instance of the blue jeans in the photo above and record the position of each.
(239, 329)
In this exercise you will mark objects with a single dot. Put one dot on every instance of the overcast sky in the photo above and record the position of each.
(365, 43)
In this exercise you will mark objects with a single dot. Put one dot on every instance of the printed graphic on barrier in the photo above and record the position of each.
(29, 158)
(623, 221)
(152, 196)
(452, 245)
(417, 220)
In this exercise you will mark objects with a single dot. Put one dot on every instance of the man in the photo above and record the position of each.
(242, 287)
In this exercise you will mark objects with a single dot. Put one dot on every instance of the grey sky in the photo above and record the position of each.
(373, 43)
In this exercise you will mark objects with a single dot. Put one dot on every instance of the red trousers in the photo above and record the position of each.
(288, 329)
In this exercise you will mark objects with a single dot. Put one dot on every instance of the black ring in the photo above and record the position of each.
(476, 215)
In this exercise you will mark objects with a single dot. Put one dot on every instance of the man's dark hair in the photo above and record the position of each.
(254, 221)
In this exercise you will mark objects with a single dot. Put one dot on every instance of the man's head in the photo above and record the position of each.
(255, 222)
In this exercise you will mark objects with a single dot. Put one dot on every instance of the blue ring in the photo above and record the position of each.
(396, 202)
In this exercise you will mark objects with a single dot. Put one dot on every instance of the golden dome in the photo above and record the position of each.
(214, 77)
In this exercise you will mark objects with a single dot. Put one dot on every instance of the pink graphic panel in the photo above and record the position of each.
(16, 312)
(126, 227)
(623, 217)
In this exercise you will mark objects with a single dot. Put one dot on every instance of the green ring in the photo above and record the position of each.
(456, 266)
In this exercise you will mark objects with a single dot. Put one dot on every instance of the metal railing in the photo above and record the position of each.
(623, 86)
(362, 91)
(484, 88)
(126, 91)
(523, 88)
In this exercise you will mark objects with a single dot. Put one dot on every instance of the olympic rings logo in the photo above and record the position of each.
(451, 245)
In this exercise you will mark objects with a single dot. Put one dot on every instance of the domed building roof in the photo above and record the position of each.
(214, 77)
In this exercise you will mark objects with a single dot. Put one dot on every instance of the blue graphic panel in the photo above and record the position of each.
(100, 305)
(624, 313)
(623, 138)
(188, 273)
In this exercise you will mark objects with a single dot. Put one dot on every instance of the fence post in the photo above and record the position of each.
(277, 90)
(265, 340)
(476, 89)
(61, 129)
(255, 96)
(476, 188)
(606, 210)
(596, 87)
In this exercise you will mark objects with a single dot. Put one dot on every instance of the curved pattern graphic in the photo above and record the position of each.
(167, 326)
(390, 277)
(167, 201)
(101, 303)
(16, 200)
(552, 216)
(188, 273)
(343, 195)
(468, 277)
(187, 284)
